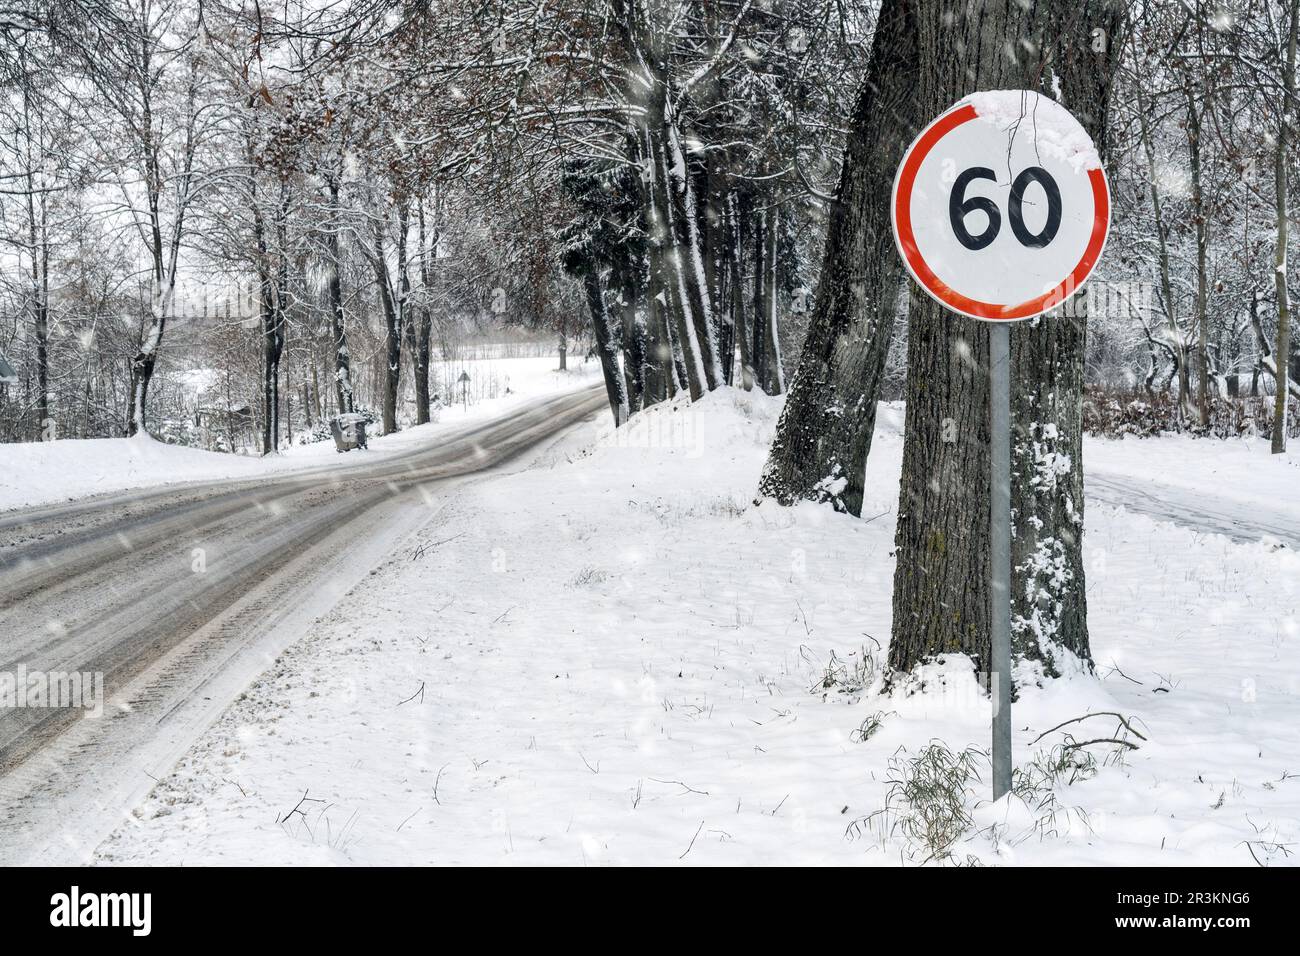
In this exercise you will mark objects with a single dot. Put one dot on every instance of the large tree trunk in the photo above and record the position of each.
(394, 300)
(1049, 611)
(423, 333)
(713, 224)
(824, 433)
(738, 214)
(941, 588)
(1283, 351)
(272, 344)
(142, 365)
(633, 321)
(765, 351)
(658, 341)
(420, 324)
(272, 267)
(605, 347)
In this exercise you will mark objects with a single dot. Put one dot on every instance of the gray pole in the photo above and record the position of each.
(1000, 550)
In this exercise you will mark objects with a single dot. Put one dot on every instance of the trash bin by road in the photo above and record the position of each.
(349, 431)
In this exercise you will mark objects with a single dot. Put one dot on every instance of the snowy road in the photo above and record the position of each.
(1203, 511)
(180, 596)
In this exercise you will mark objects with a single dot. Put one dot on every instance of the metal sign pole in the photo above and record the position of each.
(1000, 550)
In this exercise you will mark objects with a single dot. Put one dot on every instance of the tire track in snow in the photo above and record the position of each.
(1203, 511)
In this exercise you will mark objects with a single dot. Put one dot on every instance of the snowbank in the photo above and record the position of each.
(33, 473)
(36, 473)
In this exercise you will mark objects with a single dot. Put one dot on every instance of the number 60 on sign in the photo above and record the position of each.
(1000, 207)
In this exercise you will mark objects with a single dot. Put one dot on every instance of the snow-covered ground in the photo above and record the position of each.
(39, 473)
(614, 657)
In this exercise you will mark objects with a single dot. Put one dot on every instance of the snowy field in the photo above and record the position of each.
(613, 657)
(41, 473)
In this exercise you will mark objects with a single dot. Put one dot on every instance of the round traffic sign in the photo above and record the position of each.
(1000, 207)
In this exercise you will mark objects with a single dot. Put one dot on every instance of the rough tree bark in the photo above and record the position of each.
(941, 595)
(738, 213)
(709, 179)
(765, 351)
(605, 347)
(273, 280)
(824, 434)
(394, 305)
(659, 345)
(420, 320)
(633, 320)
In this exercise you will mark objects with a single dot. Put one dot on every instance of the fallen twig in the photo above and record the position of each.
(1114, 668)
(438, 780)
(419, 693)
(1124, 722)
(692, 843)
(1074, 745)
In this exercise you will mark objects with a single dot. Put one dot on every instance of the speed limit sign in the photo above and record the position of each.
(1000, 207)
(1000, 211)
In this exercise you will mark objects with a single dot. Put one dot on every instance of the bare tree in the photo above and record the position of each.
(151, 76)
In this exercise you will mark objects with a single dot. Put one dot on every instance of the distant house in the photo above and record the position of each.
(8, 376)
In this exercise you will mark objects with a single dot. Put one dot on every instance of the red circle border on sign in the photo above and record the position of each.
(940, 290)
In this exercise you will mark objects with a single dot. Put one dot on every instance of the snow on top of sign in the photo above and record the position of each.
(1054, 130)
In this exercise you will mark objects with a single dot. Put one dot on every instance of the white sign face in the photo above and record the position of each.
(1000, 207)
